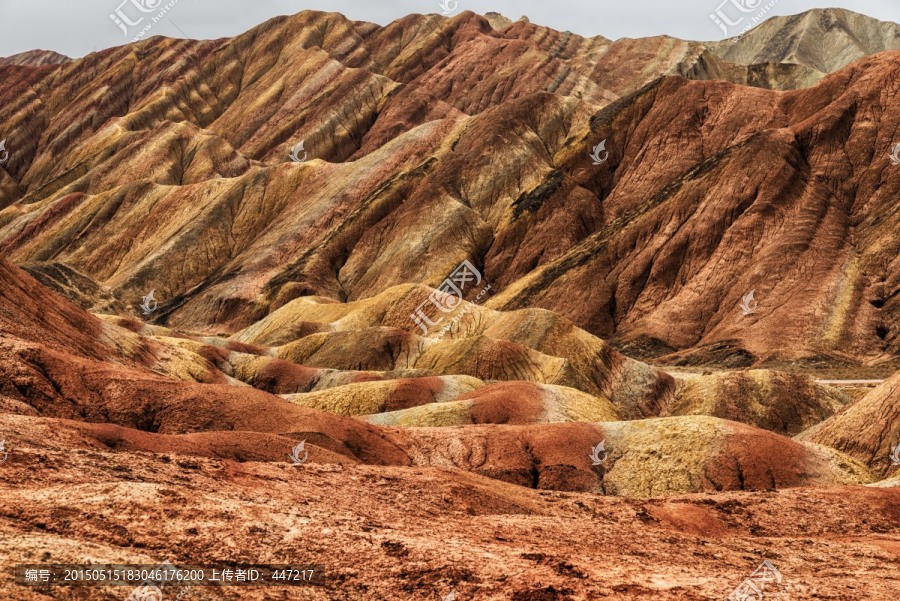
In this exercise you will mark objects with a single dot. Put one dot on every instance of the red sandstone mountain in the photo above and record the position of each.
(286, 294)
(707, 188)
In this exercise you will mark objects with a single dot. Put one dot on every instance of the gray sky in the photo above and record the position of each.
(77, 27)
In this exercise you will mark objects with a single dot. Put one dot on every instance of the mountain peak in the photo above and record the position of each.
(499, 21)
(34, 58)
(825, 39)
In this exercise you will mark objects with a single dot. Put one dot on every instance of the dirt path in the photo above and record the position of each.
(850, 382)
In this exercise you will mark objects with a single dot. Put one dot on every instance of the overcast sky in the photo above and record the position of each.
(77, 27)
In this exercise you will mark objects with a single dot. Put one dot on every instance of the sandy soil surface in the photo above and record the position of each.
(421, 533)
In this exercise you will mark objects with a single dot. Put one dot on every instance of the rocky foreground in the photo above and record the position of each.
(420, 533)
